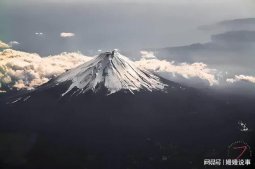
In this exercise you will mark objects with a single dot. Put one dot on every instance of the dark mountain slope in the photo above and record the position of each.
(177, 127)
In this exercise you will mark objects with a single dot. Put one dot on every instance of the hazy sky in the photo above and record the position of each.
(127, 25)
(50, 27)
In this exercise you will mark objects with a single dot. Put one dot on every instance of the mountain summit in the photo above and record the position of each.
(111, 71)
(121, 130)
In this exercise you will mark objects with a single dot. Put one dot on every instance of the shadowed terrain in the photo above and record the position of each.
(173, 129)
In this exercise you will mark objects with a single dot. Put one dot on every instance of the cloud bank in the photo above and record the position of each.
(238, 78)
(3, 45)
(22, 70)
(187, 71)
(66, 34)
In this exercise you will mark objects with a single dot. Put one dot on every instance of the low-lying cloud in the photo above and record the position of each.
(194, 70)
(13, 43)
(3, 45)
(22, 70)
(239, 78)
(147, 54)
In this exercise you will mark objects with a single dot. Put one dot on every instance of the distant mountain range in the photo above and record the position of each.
(231, 47)
(235, 24)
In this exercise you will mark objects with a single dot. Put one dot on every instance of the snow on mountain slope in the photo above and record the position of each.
(112, 71)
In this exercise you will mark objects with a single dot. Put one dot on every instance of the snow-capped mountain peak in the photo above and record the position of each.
(112, 71)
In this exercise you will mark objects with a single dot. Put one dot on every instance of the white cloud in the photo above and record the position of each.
(3, 45)
(238, 78)
(13, 43)
(195, 70)
(147, 54)
(66, 34)
(39, 33)
(28, 70)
